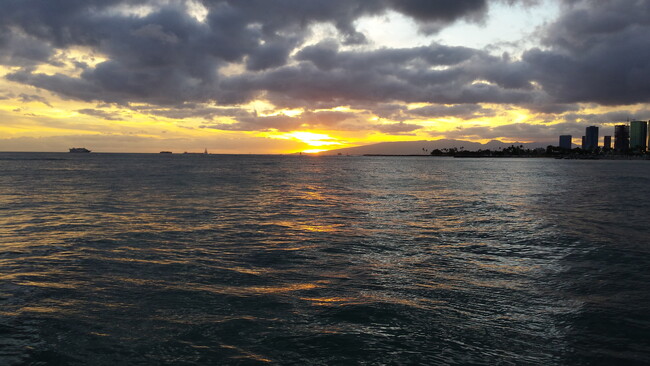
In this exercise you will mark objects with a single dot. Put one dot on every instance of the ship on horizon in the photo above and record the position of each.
(79, 150)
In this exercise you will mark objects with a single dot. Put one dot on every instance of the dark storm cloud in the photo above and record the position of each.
(60, 84)
(168, 56)
(597, 51)
(281, 122)
(434, 74)
(18, 49)
(193, 111)
(389, 111)
(326, 56)
(254, 123)
(464, 111)
(439, 10)
(400, 128)
(619, 116)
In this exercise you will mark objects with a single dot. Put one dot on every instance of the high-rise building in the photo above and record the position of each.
(607, 142)
(621, 137)
(565, 142)
(591, 138)
(584, 143)
(639, 135)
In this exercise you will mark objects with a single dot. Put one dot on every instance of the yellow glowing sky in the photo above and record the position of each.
(50, 122)
(35, 125)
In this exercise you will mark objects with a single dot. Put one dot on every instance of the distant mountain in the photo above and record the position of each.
(415, 147)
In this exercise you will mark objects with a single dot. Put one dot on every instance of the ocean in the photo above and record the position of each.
(158, 259)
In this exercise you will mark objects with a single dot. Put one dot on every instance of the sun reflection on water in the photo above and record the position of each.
(303, 259)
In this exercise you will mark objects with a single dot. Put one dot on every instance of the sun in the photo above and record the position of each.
(314, 151)
(316, 142)
(314, 139)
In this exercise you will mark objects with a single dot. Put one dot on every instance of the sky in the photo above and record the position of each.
(288, 76)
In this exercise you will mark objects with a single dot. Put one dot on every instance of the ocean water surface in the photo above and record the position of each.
(134, 259)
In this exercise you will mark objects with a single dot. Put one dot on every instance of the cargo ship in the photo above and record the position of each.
(79, 150)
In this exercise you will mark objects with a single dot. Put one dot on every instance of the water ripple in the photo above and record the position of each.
(143, 259)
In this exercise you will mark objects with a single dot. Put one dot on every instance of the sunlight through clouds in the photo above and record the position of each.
(363, 71)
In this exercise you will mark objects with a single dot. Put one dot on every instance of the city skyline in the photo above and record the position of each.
(631, 136)
(284, 77)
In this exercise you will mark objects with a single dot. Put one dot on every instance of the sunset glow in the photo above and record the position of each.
(150, 83)
(324, 182)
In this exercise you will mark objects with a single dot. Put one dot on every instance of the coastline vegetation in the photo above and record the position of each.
(549, 152)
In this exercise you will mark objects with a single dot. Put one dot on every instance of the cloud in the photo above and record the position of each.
(26, 98)
(543, 133)
(619, 116)
(463, 111)
(160, 58)
(111, 116)
(597, 51)
(518, 132)
(19, 49)
(192, 110)
(400, 128)
(322, 119)
(439, 10)
(155, 32)
(165, 55)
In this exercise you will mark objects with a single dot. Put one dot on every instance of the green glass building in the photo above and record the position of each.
(639, 135)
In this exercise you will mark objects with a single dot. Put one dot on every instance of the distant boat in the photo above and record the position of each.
(206, 151)
(79, 150)
(165, 152)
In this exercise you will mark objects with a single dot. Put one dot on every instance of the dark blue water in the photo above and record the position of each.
(113, 259)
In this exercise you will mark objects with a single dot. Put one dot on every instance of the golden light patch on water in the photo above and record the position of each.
(136, 260)
(254, 357)
(10, 313)
(327, 299)
(246, 355)
(437, 286)
(11, 276)
(46, 284)
(244, 270)
(51, 306)
(319, 228)
(141, 281)
(99, 334)
(282, 289)
(39, 309)
(250, 290)
(249, 270)
(369, 298)
(291, 248)
(333, 301)
(310, 227)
